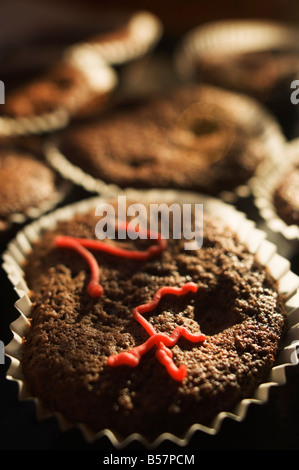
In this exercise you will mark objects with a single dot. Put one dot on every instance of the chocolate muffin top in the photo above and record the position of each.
(58, 87)
(232, 308)
(26, 183)
(191, 139)
(286, 198)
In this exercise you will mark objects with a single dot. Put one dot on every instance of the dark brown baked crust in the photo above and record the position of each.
(188, 140)
(286, 199)
(71, 335)
(26, 182)
(61, 86)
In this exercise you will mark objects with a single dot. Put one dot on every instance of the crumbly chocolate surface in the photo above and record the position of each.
(187, 140)
(286, 199)
(60, 86)
(26, 182)
(65, 354)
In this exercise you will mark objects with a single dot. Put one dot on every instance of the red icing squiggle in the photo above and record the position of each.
(138, 311)
(161, 340)
(94, 289)
(81, 245)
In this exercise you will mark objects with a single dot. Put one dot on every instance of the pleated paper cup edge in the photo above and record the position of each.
(118, 52)
(264, 183)
(61, 117)
(245, 228)
(34, 125)
(236, 36)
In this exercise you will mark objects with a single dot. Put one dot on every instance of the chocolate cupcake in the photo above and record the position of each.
(264, 75)
(45, 87)
(171, 340)
(197, 138)
(275, 190)
(286, 198)
(28, 187)
(76, 85)
(258, 58)
(61, 86)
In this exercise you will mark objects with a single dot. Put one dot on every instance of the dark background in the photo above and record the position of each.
(269, 427)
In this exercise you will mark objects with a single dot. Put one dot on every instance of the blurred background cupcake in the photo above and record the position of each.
(254, 57)
(29, 187)
(66, 74)
(276, 194)
(199, 138)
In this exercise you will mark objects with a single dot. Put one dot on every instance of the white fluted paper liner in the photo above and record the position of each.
(265, 251)
(143, 32)
(232, 36)
(247, 112)
(267, 179)
(101, 80)
(48, 122)
(74, 173)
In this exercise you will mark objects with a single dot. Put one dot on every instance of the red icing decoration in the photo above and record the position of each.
(161, 340)
(80, 244)
(94, 288)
